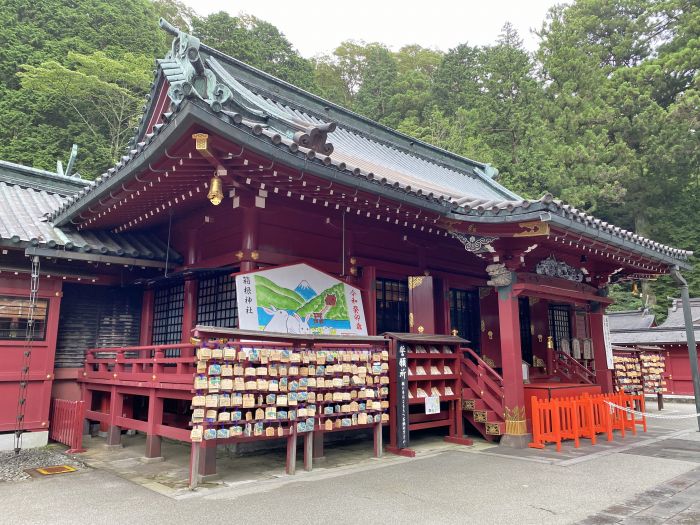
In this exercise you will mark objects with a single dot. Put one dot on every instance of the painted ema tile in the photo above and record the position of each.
(299, 299)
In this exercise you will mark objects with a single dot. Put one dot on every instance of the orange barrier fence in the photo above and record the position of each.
(586, 416)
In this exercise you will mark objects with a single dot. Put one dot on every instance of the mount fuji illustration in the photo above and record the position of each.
(304, 289)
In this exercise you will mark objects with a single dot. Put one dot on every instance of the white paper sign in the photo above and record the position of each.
(608, 343)
(432, 405)
(299, 299)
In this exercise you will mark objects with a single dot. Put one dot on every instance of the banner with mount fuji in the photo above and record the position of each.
(299, 299)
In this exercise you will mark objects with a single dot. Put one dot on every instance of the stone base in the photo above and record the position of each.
(29, 440)
(157, 459)
(510, 441)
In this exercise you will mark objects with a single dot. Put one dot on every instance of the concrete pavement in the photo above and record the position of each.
(648, 475)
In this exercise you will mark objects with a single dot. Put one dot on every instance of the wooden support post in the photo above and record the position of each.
(291, 466)
(155, 418)
(378, 440)
(318, 444)
(189, 311)
(146, 332)
(511, 363)
(116, 404)
(206, 460)
(603, 376)
(659, 400)
(194, 466)
(249, 226)
(457, 436)
(308, 450)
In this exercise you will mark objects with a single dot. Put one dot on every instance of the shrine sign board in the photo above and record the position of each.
(402, 396)
(299, 299)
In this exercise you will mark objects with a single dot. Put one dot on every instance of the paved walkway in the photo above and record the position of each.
(650, 478)
(675, 502)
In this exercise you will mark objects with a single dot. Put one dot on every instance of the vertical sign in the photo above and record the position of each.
(608, 344)
(402, 396)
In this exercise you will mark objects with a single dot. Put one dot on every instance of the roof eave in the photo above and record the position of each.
(539, 211)
(191, 113)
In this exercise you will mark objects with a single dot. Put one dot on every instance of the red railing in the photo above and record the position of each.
(572, 370)
(67, 424)
(554, 420)
(142, 364)
(483, 380)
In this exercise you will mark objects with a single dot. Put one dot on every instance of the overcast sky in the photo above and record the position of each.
(317, 27)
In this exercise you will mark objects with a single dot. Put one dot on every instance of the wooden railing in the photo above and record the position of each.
(482, 379)
(573, 370)
(142, 364)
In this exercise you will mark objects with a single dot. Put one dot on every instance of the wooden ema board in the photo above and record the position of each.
(432, 370)
(261, 390)
(555, 390)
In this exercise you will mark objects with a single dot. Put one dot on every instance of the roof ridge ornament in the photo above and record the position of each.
(192, 77)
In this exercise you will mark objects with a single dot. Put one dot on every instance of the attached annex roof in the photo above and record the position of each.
(675, 314)
(651, 336)
(29, 195)
(630, 320)
(269, 114)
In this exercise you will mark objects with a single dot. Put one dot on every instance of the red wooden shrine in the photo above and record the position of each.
(239, 172)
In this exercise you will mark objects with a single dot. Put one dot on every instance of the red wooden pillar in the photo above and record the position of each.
(155, 418)
(368, 285)
(189, 312)
(603, 376)
(249, 224)
(116, 404)
(511, 364)
(146, 332)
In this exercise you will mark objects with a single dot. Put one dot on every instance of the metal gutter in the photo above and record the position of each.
(95, 257)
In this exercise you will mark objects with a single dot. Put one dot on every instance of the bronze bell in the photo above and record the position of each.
(216, 194)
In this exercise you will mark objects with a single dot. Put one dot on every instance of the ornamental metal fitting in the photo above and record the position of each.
(473, 243)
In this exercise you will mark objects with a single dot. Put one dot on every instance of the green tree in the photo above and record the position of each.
(257, 43)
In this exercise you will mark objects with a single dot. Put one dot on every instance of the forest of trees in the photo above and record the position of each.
(605, 114)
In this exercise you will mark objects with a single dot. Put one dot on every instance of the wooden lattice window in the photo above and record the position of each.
(168, 305)
(216, 302)
(465, 316)
(559, 323)
(392, 306)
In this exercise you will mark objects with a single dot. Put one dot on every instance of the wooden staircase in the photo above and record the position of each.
(569, 369)
(482, 395)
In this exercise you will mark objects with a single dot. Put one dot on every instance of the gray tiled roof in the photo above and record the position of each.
(359, 148)
(630, 320)
(651, 336)
(675, 314)
(28, 196)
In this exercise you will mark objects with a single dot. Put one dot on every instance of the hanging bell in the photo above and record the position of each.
(635, 290)
(216, 194)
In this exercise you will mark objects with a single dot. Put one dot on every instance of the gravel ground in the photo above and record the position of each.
(13, 466)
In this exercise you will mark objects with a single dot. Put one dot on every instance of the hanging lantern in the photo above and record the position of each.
(216, 194)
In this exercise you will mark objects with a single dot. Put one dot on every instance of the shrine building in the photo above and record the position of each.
(231, 172)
